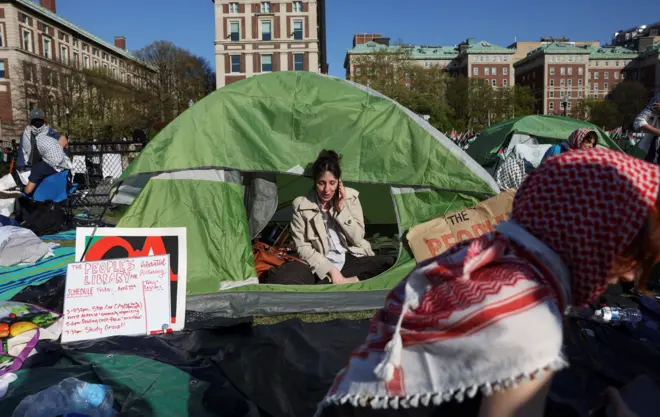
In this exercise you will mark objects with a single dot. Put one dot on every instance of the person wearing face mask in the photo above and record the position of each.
(41, 151)
(328, 230)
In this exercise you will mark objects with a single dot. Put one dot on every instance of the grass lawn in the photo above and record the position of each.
(315, 318)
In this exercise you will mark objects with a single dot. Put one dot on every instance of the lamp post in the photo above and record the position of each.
(67, 114)
(564, 102)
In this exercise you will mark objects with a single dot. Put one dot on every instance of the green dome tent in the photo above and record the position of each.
(547, 129)
(223, 168)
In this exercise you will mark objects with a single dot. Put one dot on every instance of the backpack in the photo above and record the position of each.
(42, 218)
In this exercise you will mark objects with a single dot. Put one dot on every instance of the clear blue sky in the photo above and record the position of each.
(189, 23)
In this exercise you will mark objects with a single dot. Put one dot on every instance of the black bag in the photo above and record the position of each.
(42, 218)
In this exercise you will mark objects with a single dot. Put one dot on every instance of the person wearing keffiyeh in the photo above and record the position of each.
(480, 326)
(49, 146)
(582, 138)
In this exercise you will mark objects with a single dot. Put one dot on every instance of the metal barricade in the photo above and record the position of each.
(96, 166)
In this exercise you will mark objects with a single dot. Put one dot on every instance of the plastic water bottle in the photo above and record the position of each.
(70, 397)
(615, 315)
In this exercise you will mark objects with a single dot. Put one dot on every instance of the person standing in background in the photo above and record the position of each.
(648, 122)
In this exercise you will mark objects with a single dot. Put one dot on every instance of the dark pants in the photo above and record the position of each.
(39, 171)
(296, 273)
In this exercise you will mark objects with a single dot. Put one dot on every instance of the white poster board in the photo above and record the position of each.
(119, 242)
(116, 297)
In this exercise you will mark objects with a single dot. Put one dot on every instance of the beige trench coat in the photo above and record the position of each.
(311, 237)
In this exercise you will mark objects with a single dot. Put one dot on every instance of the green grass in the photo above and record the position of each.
(315, 318)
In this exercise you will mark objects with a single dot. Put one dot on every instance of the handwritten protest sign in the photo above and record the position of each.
(116, 297)
(434, 237)
(119, 242)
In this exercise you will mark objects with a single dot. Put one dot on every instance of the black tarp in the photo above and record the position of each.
(285, 369)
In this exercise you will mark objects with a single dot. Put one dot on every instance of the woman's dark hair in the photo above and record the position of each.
(327, 161)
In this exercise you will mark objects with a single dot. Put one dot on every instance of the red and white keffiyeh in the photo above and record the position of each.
(487, 314)
(577, 137)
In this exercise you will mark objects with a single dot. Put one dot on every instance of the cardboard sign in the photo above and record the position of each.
(117, 297)
(434, 237)
(117, 243)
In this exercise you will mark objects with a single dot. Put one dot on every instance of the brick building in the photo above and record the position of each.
(256, 37)
(561, 73)
(471, 59)
(486, 61)
(608, 66)
(646, 68)
(37, 47)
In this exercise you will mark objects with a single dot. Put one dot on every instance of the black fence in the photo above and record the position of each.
(96, 167)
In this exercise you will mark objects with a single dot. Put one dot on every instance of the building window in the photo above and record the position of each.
(76, 59)
(562, 71)
(552, 93)
(562, 83)
(570, 71)
(44, 28)
(298, 30)
(580, 93)
(552, 106)
(76, 43)
(265, 31)
(580, 71)
(86, 61)
(114, 72)
(606, 86)
(24, 19)
(29, 73)
(47, 44)
(265, 7)
(48, 77)
(580, 82)
(493, 71)
(234, 29)
(606, 75)
(568, 105)
(358, 71)
(297, 7)
(616, 75)
(64, 54)
(266, 63)
(233, 8)
(2, 69)
(494, 82)
(105, 66)
(298, 60)
(95, 52)
(617, 63)
(552, 70)
(475, 71)
(570, 83)
(596, 87)
(623, 75)
(2, 38)
(85, 47)
(595, 75)
(96, 63)
(235, 63)
(607, 63)
(505, 83)
(105, 56)
(486, 71)
(27, 41)
(505, 71)
(552, 82)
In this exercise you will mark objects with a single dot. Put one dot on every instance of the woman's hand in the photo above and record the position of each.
(341, 196)
(336, 276)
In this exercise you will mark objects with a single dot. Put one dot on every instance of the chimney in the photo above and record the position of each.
(120, 42)
(48, 4)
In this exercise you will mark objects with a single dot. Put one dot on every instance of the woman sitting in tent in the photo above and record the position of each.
(481, 326)
(580, 139)
(328, 231)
